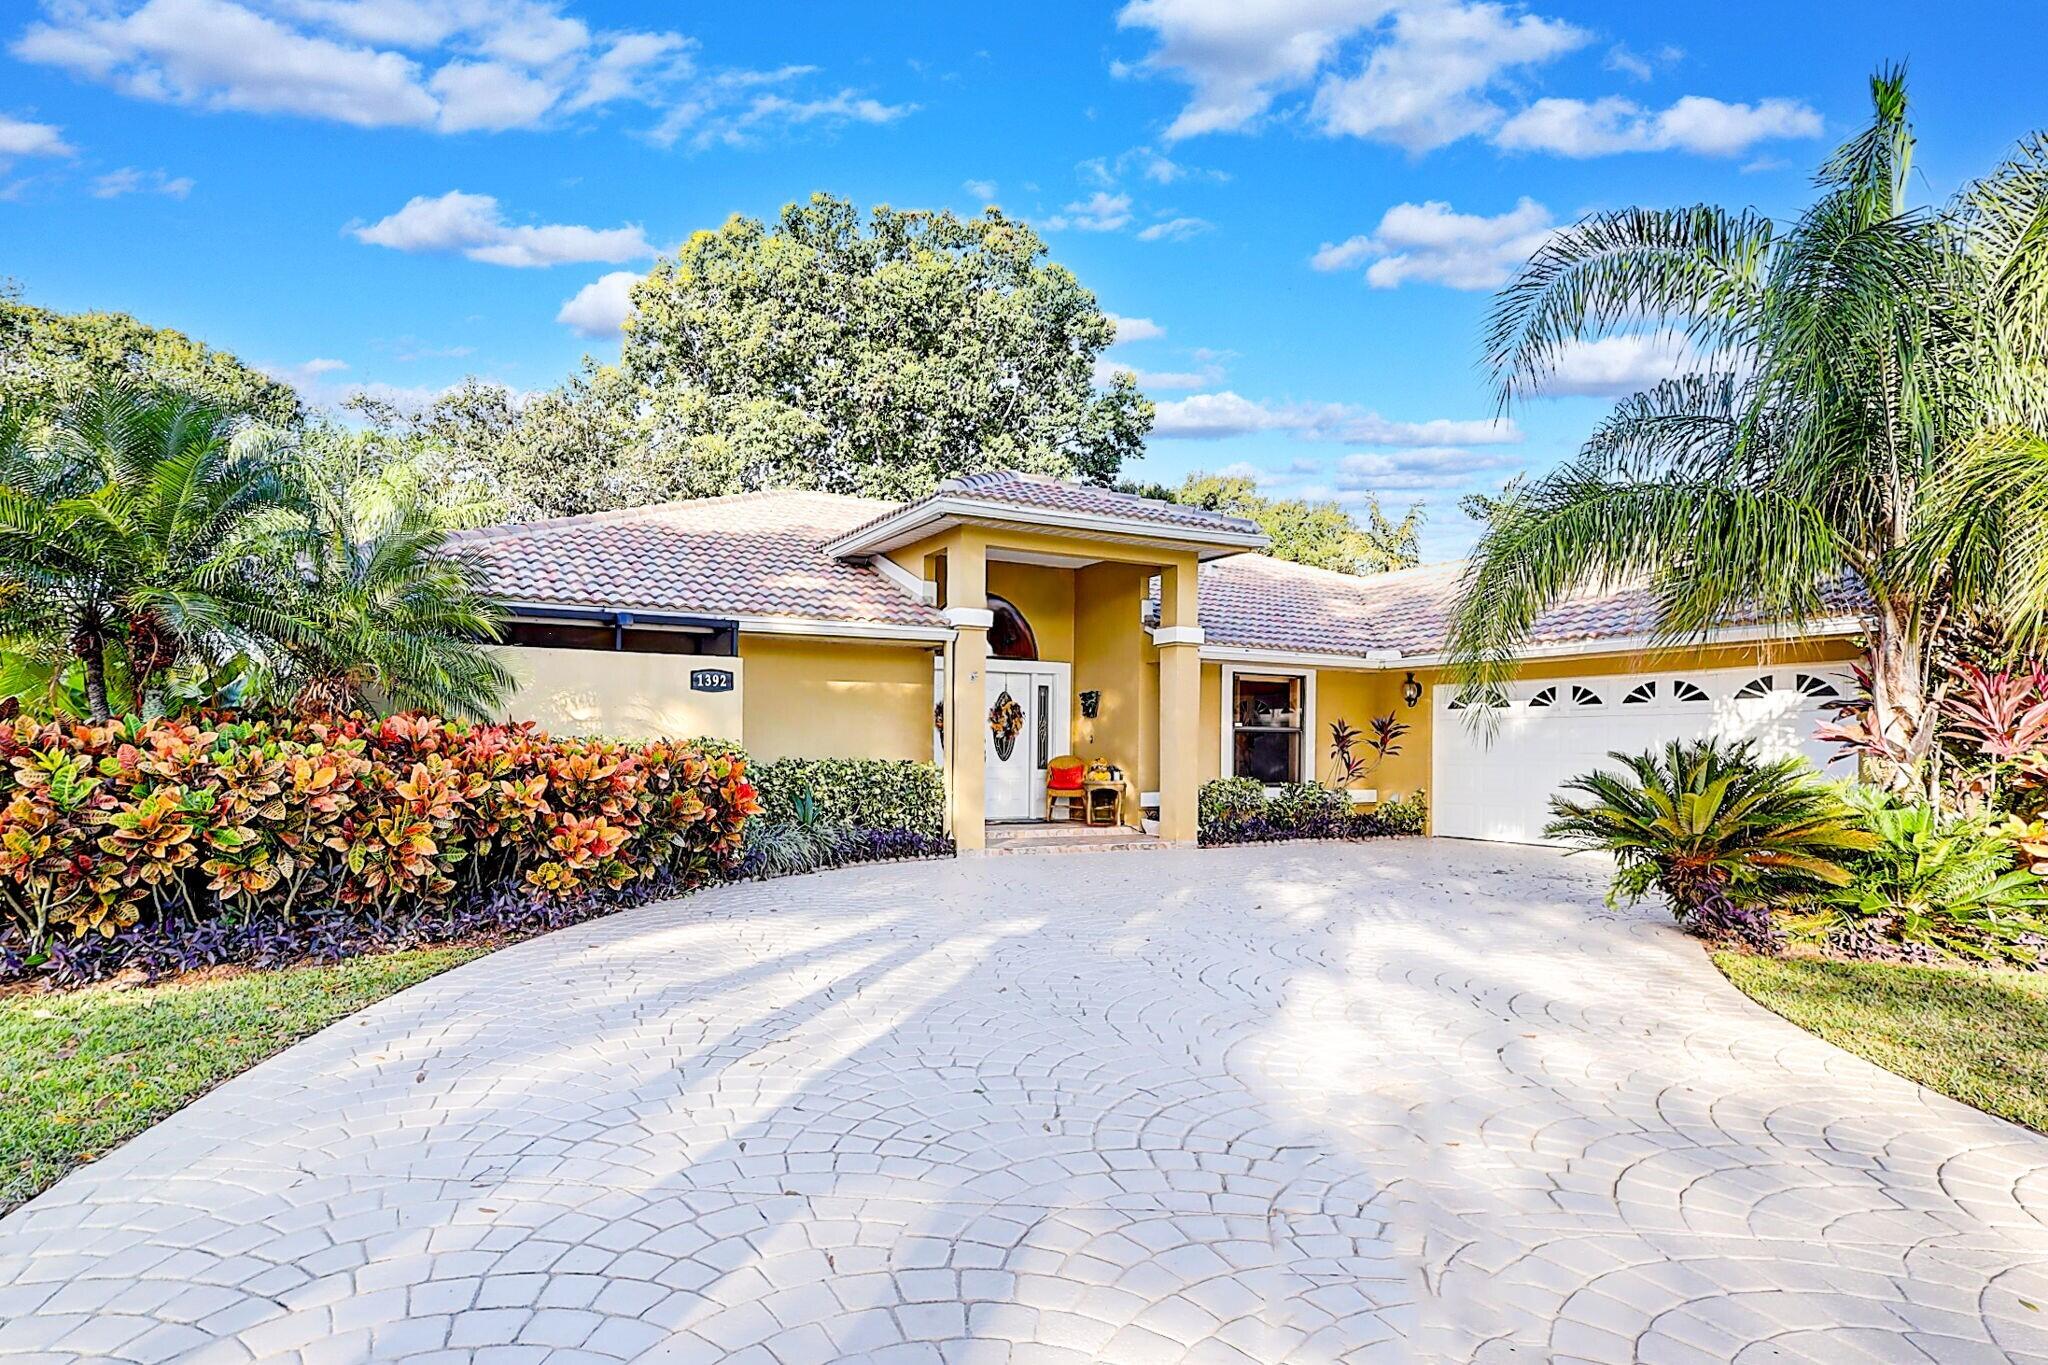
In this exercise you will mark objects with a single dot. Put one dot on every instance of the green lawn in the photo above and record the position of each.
(1978, 1036)
(86, 1071)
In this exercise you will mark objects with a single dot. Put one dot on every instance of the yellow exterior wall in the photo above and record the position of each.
(1110, 657)
(622, 696)
(1209, 763)
(816, 698)
(1045, 595)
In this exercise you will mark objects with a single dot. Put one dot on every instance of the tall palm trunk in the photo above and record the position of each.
(90, 646)
(1898, 693)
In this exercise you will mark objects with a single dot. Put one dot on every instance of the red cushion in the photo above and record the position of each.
(1064, 777)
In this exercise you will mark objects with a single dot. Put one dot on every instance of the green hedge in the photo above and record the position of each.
(1237, 810)
(864, 793)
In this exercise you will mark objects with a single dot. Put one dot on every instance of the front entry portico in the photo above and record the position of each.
(1109, 604)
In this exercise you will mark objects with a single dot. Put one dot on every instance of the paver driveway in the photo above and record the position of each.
(1405, 1101)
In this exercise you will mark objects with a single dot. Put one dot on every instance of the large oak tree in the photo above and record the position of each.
(874, 354)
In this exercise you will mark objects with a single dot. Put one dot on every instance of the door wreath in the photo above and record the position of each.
(1005, 722)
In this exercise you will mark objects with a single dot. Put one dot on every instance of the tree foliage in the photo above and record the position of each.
(1322, 535)
(48, 358)
(876, 357)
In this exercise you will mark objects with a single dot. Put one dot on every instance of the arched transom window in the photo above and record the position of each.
(1009, 636)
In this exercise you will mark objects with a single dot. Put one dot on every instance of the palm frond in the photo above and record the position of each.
(1698, 271)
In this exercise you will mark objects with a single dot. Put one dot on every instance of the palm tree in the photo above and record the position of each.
(1843, 359)
(1989, 508)
(385, 612)
(128, 528)
(146, 536)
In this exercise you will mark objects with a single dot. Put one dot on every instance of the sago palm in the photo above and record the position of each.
(1724, 837)
(128, 528)
(1842, 359)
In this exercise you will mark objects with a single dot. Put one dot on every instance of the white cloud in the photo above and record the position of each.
(19, 137)
(1420, 74)
(1099, 212)
(601, 307)
(1237, 56)
(1428, 85)
(984, 190)
(773, 113)
(1616, 366)
(1695, 123)
(1174, 230)
(1434, 244)
(473, 225)
(489, 96)
(414, 24)
(1145, 163)
(220, 55)
(1422, 469)
(646, 68)
(1129, 330)
(1640, 66)
(452, 66)
(1415, 73)
(130, 180)
(1209, 416)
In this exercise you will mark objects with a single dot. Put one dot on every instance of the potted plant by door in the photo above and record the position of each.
(1356, 756)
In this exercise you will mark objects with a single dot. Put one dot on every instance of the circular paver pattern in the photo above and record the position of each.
(1407, 1101)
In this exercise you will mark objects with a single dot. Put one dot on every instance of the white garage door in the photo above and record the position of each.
(1499, 786)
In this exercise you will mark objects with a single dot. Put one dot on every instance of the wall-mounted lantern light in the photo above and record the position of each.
(1411, 690)
(1091, 702)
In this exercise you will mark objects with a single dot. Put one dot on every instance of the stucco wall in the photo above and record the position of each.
(624, 696)
(1110, 657)
(1045, 595)
(813, 698)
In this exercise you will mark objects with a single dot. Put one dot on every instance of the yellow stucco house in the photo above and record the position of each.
(1143, 633)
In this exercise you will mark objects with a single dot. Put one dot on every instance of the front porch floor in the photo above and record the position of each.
(1065, 836)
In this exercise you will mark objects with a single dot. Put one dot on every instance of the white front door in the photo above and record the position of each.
(1016, 770)
(1499, 785)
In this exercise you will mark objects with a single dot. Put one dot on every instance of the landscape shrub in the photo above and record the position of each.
(1933, 886)
(251, 839)
(1726, 838)
(1229, 800)
(1236, 810)
(1306, 804)
(855, 793)
(802, 839)
(1398, 815)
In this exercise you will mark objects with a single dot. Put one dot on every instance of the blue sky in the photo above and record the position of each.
(1297, 206)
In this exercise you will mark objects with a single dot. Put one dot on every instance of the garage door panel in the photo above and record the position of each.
(1498, 786)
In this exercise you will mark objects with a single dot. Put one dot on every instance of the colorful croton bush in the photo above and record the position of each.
(258, 838)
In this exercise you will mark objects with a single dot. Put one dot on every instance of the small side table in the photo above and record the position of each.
(1102, 799)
